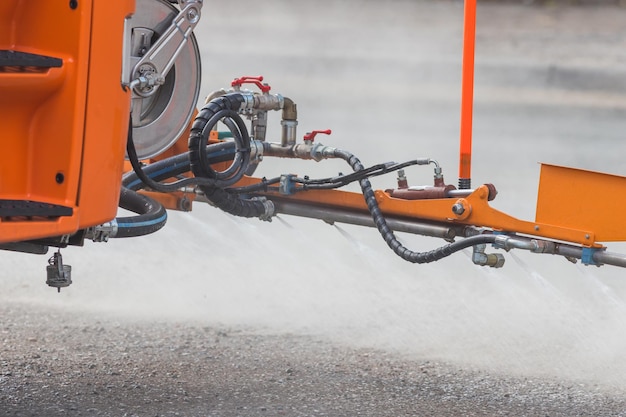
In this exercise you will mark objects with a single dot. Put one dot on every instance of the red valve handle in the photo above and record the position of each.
(246, 79)
(311, 135)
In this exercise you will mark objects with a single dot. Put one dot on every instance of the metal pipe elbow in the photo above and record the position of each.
(290, 109)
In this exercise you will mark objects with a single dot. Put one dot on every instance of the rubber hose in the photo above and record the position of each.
(388, 235)
(178, 164)
(226, 105)
(230, 203)
(240, 163)
(151, 217)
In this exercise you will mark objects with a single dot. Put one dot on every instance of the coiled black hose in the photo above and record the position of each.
(158, 186)
(223, 106)
(389, 236)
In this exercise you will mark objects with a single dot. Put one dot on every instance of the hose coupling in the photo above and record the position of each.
(270, 209)
(269, 101)
(261, 101)
(256, 151)
(438, 169)
(543, 246)
(534, 245)
(247, 102)
(102, 232)
(479, 257)
(319, 152)
(503, 242)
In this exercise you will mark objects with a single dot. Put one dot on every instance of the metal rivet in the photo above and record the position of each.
(536, 228)
(59, 178)
(73, 4)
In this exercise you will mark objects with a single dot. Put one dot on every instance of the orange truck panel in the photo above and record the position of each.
(63, 127)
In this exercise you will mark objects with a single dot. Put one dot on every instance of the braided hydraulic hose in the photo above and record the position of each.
(218, 108)
(389, 236)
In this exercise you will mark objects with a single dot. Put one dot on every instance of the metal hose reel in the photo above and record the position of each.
(165, 79)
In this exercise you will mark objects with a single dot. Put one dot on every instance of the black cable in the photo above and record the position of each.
(325, 183)
(157, 186)
(262, 186)
(340, 181)
(218, 179)
(373, 171)
(179, 164)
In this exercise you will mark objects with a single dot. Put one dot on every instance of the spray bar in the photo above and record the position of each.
(331, 215)
(588, 255)
(598, 256)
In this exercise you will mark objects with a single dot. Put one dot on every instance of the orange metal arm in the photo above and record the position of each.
(477, 212)
(467, 94)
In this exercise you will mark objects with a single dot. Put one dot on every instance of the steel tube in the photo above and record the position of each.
(331, 215)
(600, 256)
(458, 193)
(610, 258)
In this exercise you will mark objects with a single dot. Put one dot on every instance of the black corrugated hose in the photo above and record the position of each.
(387, 233)
(209, 115)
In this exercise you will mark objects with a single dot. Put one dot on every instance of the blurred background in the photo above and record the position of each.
(385, 77)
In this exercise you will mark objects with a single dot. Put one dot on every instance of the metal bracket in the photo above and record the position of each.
(587, 256)
(286, 185)
(152, 68)
(102, 232)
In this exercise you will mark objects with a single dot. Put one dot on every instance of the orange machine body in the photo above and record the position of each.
(63, 126)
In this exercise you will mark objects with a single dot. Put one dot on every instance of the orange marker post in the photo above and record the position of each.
(467, 94)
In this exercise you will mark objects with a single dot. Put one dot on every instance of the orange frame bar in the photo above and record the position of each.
(467, 94)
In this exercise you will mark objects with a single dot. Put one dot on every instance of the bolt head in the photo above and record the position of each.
(193, 15)
(458, 209)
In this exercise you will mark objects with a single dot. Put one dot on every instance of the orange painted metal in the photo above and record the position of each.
(63, 128)
(106, 118)
(467, 90)
(177, 200)
(477, 212)
(570, 197)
